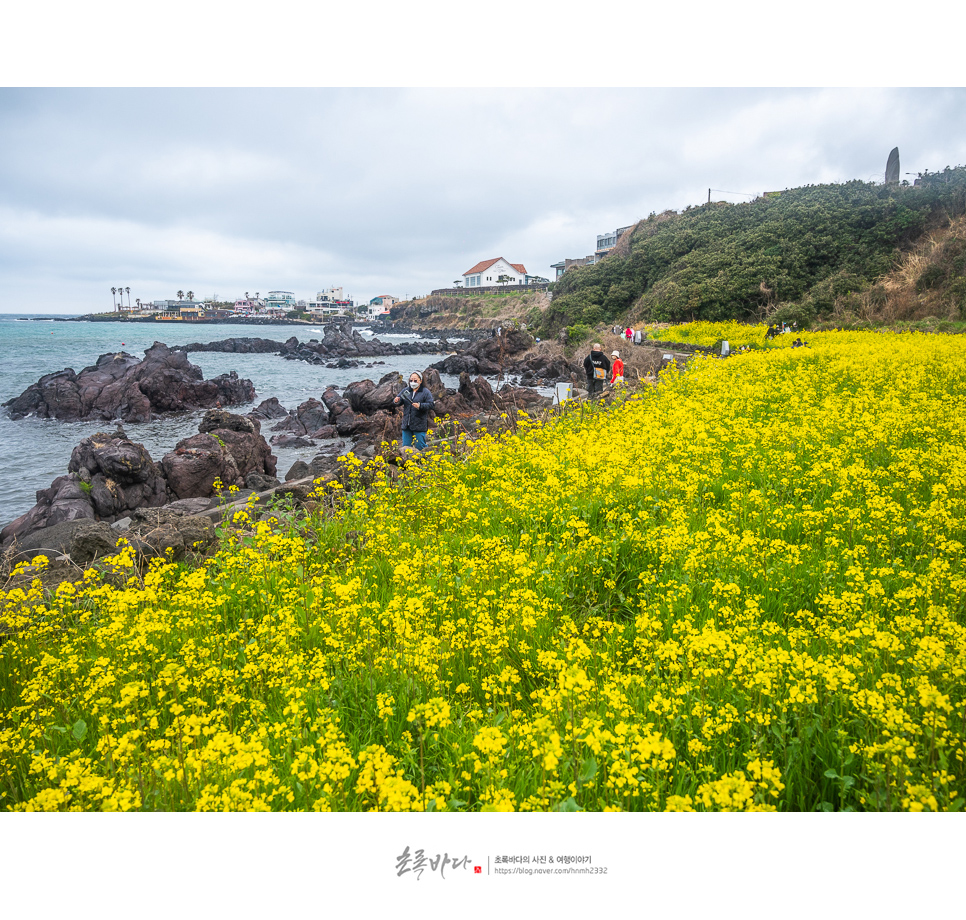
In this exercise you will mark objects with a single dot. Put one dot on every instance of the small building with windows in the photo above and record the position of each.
(280, 300)
(567, 264)
(607, 241)
(384, 301)
(488, 273)
(328, 302)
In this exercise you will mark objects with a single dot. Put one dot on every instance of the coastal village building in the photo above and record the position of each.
(605, 243)
(247, 307)
(383, 300)
(487, 273)
(379, 306)
(173, 306)
(329, 302)
(280, 300)
(561, 267)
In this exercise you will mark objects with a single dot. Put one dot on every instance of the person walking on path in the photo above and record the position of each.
(417, 403)
(596, 367)
(617, 369)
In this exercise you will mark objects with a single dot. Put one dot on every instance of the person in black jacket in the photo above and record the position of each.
(596, 366)
(417, 403)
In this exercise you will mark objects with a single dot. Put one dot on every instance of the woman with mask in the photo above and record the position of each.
(417, 403)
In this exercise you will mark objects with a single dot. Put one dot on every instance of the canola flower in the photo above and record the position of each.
(740, 590)
(708, 334)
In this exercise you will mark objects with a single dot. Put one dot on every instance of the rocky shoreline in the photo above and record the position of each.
(112, 482)
(113, 485)
(337, 349)
(110, 478)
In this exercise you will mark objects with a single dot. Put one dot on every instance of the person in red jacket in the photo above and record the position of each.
(617, 369)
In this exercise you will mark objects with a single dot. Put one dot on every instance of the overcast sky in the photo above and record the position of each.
(395, 191)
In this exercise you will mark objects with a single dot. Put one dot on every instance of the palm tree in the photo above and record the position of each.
(113, 292)
(128, 297)
(191, 295)
(137, 300)
(180, 295)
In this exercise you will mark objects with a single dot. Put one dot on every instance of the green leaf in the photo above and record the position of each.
(588, 770)
(456, 803)
(79, 731)
(567, 805)
(831, 774)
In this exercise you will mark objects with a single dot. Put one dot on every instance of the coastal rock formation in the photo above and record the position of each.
(227, 447)
(490, 355)
(499, 354)
(83, 540)
(241, 345)
(365, 414)
(110, 477)
(339, 347)
(268, 409)
(120, 386)
(544, 370)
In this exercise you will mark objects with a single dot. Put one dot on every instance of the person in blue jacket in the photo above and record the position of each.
(417, 403)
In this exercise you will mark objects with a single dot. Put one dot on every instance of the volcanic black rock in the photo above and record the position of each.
(120, 386)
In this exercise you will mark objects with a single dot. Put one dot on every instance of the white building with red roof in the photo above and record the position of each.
(488, 272)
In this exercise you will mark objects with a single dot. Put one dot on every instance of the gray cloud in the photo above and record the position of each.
(399, 191)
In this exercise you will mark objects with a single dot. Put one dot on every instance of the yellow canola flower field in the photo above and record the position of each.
(739, 590)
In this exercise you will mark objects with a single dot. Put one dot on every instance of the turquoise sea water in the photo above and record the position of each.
(34, 451)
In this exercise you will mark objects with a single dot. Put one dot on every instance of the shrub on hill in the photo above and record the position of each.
(797, 252)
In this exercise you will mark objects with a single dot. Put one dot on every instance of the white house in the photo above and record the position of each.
(379, 306)
(486, 273)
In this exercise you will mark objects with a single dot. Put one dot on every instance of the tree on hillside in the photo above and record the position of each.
(503, 279)
(797, 252)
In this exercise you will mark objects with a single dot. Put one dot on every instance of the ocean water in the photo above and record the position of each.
(33, 452)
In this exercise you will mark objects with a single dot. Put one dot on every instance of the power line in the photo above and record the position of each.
(726, 192)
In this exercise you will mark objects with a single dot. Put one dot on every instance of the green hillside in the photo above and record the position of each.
(788, 256)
